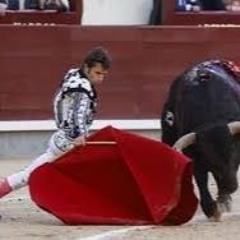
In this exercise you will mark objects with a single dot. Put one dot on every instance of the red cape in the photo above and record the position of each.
(136, 181)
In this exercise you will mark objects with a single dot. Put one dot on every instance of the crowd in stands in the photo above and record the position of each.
(96, 12)
(207, 5)
(123, 12)
(232, 5)
(59, 5)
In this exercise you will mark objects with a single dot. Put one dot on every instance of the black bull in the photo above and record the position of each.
(202, 105)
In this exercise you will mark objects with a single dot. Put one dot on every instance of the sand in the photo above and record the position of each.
(23, 220)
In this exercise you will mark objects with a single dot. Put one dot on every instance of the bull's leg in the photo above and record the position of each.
(224, 201)
(208, 205)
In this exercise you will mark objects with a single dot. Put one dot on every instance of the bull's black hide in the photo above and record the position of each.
(204, 99)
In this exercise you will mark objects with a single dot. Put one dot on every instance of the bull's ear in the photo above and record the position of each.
(234, 127)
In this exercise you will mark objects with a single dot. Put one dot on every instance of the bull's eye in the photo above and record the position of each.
(169, 118)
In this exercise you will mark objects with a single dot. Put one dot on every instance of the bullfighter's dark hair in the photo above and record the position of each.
(98, 55)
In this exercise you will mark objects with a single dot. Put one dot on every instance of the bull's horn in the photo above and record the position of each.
(185, 141)
(234, 127)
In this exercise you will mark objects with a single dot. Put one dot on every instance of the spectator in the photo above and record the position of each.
(30, 4)
(212, 5)
(23, 4)
(187, 5)
(232, 5)
(156, 13)
(60, 5)
(3, 6)
(13, 5)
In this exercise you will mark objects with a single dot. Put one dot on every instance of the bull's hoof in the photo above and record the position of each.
(224, 207)
(228, 206)
(217, 216)
(217, 212)
(224, 204)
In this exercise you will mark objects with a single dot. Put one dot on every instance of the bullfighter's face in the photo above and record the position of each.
(96, 74)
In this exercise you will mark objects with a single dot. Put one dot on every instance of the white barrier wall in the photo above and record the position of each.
(116, 12)
(28, 139)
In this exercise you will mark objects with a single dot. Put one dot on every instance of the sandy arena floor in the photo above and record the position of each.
(22, 220)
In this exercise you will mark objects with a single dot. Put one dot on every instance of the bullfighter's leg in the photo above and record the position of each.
(20, 179)
(58, 145)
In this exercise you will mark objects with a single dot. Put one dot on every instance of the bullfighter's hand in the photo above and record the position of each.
(80, 141)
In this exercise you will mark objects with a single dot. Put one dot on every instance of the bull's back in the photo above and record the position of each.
(207, 96)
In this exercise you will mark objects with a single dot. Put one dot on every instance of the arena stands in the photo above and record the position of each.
(44, 16)
(172, 17)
